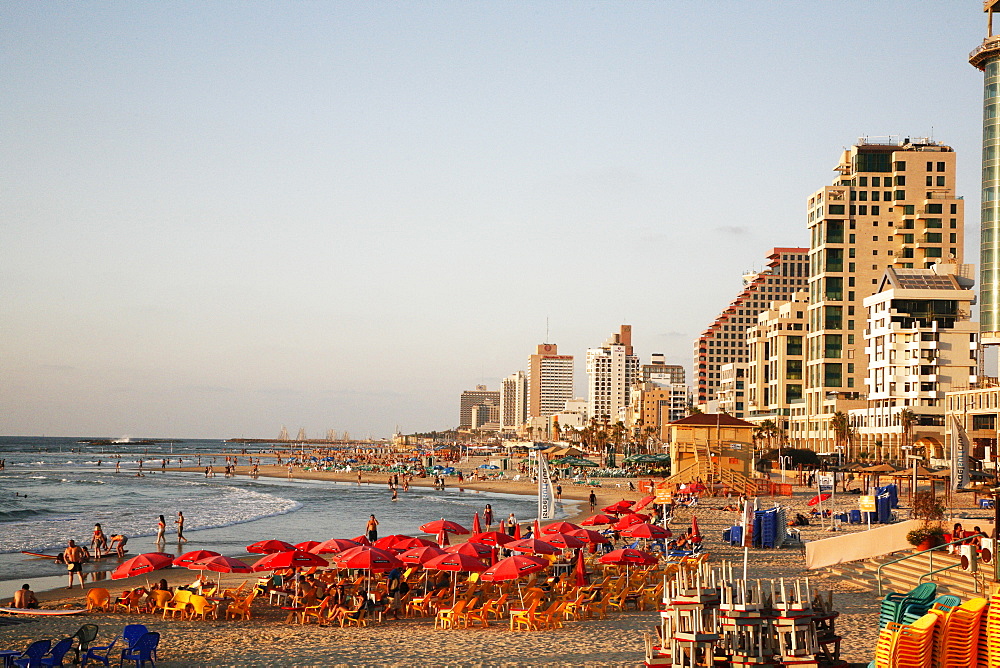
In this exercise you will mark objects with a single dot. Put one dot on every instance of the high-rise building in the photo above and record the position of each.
(513, 401)
(892, 203)
(986, 57)
(612, 369)
(776, 370)
(550, 381)
(661, 373)
(724, 341)
(652, 407)
(732, 391)
(921, 343)
(471, 398)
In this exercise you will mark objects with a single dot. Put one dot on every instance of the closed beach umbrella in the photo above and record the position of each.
(580, 570)
(332, 546)
(143, 563)
(496, 538)
(443, 525)
(477, 550)
(476, 527)
(597, 520)
(695, 534)
(564, 540)
(560, 527)
(193, 556)
(646, 530)
(270, 547)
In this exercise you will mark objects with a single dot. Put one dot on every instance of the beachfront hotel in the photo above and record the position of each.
(892, 203)
(471, 403)
(513, 401)
(612, 370)
(724, 341)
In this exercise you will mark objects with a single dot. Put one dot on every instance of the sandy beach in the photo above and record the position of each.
(615, 641)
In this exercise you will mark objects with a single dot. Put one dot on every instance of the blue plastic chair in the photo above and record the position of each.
(100, 653)
(142, 651)
(32, 657)
(58, 652)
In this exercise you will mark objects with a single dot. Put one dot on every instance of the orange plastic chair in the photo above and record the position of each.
(241, 609)
(98, 599)
(157, 599)
(178, 603)
(447, 617)
(525, 618)
(202, 608)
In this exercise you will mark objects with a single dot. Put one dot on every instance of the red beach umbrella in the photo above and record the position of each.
(695, 534)
(220, 564)
(443, 525)
(193, 556)
(816, 499)
(288, 559)
(389, 542)
(564, 540)
(476, 526)
(517, 531)
(629, 557)
(270, 547)
(513, 567)
(367, 558)
(589, 536)
(560, 527)
(497, 538)
(456, 562)
(421, 555)
(442, 538)
(597, 520)
(143, 563)
(333, 546)
(306, 545)
(631, 520)
(619, 507)
(646, 530)
(411, 543)
(477, 550)
(580, 570)
(532, 545)
(361, 540)
(643, 502)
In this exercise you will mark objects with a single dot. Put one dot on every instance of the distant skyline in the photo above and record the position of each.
(223, 218)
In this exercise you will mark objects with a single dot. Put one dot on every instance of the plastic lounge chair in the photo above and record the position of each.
(236, 593)
(447, 617)
(202, 607)
(178, 603)
(32, 656)
(356, 618)
(84, 636)
(158, 599)
(319, 611)
(241, 608)
(132, 601)
(552, 617)
(98, 598)
(142, 651)
(525, 618)
(57, 653)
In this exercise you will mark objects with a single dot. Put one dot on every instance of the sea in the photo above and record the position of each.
(55, 489)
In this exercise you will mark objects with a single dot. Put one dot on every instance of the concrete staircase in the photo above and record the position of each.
(710, 473)
(903, 576)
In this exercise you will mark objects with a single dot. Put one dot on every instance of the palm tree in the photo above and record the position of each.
(907, 420)
(841, 431)
(556, 430)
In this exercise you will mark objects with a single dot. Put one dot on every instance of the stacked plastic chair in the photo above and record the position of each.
(913, 604)
(990, 636)
(957, 641)
(910, 645)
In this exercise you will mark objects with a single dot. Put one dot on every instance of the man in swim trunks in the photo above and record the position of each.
(118, 544)
(74, 555)
(180, 527)
(372, 529)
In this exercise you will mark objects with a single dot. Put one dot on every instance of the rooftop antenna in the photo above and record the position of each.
(547, 329)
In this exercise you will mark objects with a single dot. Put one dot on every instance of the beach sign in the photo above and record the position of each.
(825, 482)
(662, 496)
(866, 504)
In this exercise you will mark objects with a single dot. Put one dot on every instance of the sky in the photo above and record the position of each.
(221, 218)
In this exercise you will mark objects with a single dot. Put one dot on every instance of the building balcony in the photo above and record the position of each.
(979, 55)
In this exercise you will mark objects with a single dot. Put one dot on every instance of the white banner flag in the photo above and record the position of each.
(546, 492)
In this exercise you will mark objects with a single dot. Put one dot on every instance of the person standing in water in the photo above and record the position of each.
(372, 529)
(161, 530)
(180, 527)
(99, 542)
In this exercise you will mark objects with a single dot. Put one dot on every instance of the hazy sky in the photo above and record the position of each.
(219, 218)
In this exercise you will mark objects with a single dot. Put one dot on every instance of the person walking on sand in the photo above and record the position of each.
(161, 530)
(74, 555)
(180, 527)
(372, 529)
(488, 516)
(593, 501)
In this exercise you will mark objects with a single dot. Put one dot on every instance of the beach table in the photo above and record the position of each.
(8, 657)
(293, 613)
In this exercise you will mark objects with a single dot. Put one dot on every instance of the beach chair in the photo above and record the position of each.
(57, 653)
(142, 650)
(202, 607)
(132, 601)
(525, 619)
(447, 617)
(319, 611)
(157, 599)
(98, 599)
(32, 656)
(241, 608)
(100, 653)
(355, 618)
(574, 606)
(178, 603)
(551, 618)
(85, 635)
(236, 593)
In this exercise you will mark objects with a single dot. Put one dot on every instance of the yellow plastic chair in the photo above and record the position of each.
(203, 608)
(98, 599)
(525, 618)
(241, 609)
(447, 617)
(178, 603)
(157, 599)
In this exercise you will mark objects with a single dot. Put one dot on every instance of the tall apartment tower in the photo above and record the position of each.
(987, 58)
(472, 398)
(776, 352)
(661, 373)
(724, 341)
(513, 401)
(612, 369)
(892, 203)
(550, 381)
